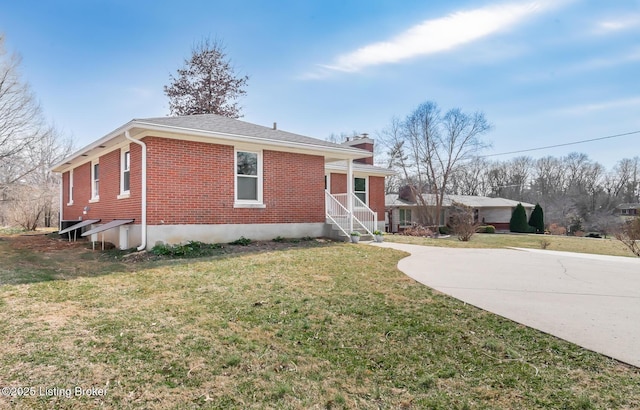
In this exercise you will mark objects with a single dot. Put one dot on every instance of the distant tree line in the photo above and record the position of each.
(575, 191)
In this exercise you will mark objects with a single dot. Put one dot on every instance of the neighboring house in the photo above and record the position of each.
(402, 210)
(214, 179)
(628, 210)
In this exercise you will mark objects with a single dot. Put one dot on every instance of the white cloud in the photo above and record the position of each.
(442, 34)
(618, 24)
(600, 106)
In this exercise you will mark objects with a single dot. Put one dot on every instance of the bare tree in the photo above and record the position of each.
(206, 84)
(428, 148)
(28, 149)
(21, 125)
(629, 234)
(462, 221)
(471, 178)
(627, 187)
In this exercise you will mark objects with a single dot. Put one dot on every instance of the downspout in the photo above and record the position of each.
(61, 213)
(143, 245)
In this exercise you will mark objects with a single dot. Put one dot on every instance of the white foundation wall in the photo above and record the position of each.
(123, 237)
(224, 233)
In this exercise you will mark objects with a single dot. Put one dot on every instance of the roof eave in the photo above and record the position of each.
(59, 167)
(346, 152)
(338, 152)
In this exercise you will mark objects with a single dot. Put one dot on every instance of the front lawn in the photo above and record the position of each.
(599, 246)
(333, 326)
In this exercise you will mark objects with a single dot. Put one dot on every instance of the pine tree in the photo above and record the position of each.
(518, 222)
(537, 219)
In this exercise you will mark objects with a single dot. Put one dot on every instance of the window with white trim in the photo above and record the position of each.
(405, 217)
(125, 172)
(360, 188)
(95, 180)
(70, 202)
(248, 178)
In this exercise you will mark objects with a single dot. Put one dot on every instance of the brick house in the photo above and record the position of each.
(628, 210)
(215, 179)
(402, 209)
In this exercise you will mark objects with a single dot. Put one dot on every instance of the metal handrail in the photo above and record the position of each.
(336, 210)
(364, 216)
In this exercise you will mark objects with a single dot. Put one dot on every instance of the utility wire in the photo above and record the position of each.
(562, 145)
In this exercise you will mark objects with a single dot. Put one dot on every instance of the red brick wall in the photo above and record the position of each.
(338, 183)
(375, 191)
(193, 183)
(108, 207)
(376, 196)
(366, 146)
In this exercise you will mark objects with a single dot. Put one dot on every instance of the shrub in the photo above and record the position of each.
(544, 243)
(418, 231)
(242, 241)
(536, 220)
(629, 234)
(555, 229)
(486, 229)
(279, 239)
(518, 222)
(191, 249)
(444, 230)
(462, 222)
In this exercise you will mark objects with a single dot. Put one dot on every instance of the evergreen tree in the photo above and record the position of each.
(518, 222)
(537, 219)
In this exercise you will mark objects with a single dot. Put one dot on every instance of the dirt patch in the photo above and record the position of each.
(41, 242)
(49, 243)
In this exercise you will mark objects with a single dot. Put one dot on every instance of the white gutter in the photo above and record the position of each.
(143, 205)
(61, 213)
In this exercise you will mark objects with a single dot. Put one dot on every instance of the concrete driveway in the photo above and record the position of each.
(590, 300)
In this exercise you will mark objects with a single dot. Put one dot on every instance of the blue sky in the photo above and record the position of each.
(544, 72)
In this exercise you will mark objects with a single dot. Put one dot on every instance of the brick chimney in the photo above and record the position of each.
(407, 193)
(363, 142)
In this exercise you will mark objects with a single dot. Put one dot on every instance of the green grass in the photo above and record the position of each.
(555, 243)
(324, 327)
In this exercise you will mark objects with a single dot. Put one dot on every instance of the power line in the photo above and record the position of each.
(562, 145)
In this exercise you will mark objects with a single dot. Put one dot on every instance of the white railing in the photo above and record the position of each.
(337, 213)
(363, 216)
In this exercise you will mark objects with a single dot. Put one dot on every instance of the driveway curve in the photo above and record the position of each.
(590, 300)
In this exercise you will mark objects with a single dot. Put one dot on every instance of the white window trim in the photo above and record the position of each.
(328, 177)
(366, 187)
(247, 203)
(406, 223)
(70, 188)
(124, 194)
(95, 196)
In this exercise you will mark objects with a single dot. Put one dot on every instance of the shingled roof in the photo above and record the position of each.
(214, 128)
(223, 125)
